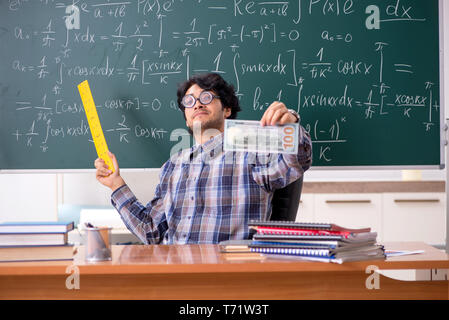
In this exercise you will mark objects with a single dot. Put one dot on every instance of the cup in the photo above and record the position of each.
(98, 246)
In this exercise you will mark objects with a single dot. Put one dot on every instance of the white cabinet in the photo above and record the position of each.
(306, 208)
(395, 216)
(414, 217)
(351, 210)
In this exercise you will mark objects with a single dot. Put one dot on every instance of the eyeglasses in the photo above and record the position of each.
(205, 97)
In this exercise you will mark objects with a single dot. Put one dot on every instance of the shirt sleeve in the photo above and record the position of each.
(148, 222)
(276, 171)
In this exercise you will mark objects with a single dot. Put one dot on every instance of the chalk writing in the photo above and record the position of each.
(342, 64)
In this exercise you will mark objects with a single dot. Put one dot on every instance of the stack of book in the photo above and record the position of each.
(35, 241)
(314, 241)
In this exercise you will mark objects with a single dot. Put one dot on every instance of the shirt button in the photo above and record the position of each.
(191, 198)
(189, 217)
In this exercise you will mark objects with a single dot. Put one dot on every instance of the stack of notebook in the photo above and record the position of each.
(35, 241)
(314, 241)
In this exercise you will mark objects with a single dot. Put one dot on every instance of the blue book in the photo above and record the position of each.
(36, 227)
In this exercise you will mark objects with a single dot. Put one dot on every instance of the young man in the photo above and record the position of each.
(206, 195)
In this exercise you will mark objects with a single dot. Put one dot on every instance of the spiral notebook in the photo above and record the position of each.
(255, 224)
(322, 253)
(353, 238)
(368, 253)
(299, 232)
(314, 241)
(332, 247)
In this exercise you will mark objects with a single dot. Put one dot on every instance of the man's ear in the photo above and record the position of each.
(227, 112)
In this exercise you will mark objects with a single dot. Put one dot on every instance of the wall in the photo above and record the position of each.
(37, 196)
(28, 197)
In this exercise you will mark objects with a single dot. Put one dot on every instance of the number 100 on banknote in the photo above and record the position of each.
(250, 136)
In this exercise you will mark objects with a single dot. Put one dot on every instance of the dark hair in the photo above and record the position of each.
(213, 82)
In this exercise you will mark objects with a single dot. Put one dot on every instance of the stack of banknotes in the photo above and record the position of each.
(250, 136)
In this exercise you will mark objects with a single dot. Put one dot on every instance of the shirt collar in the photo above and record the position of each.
(209, 145)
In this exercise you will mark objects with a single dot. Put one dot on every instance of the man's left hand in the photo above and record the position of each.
(277, 114)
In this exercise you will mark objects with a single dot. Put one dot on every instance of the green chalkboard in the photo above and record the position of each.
(364, 75)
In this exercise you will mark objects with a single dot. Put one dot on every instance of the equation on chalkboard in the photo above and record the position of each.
(363, 75)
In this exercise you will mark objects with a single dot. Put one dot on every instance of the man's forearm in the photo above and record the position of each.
(117, 183)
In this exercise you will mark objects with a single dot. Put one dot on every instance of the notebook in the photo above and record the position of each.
(352, 238)
(368, 253)
(300, 232)
(234, 246)
(254, 224)
(332, 247)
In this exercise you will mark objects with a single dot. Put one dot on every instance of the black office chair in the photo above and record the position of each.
(286, 201)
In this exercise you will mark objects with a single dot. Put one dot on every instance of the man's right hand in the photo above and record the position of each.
(105, 176)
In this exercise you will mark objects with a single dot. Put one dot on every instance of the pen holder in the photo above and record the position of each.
(98, 246)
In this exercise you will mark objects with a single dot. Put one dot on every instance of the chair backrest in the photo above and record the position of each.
(286, 201)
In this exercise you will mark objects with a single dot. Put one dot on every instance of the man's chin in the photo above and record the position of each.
(198, 122)
(202, 125)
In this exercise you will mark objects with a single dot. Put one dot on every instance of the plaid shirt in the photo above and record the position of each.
(206, 195)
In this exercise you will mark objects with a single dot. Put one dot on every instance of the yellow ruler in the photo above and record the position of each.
(94, 123)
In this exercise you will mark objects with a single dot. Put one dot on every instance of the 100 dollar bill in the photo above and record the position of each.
(250, 136)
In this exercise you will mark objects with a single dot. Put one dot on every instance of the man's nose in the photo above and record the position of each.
(198, 105)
